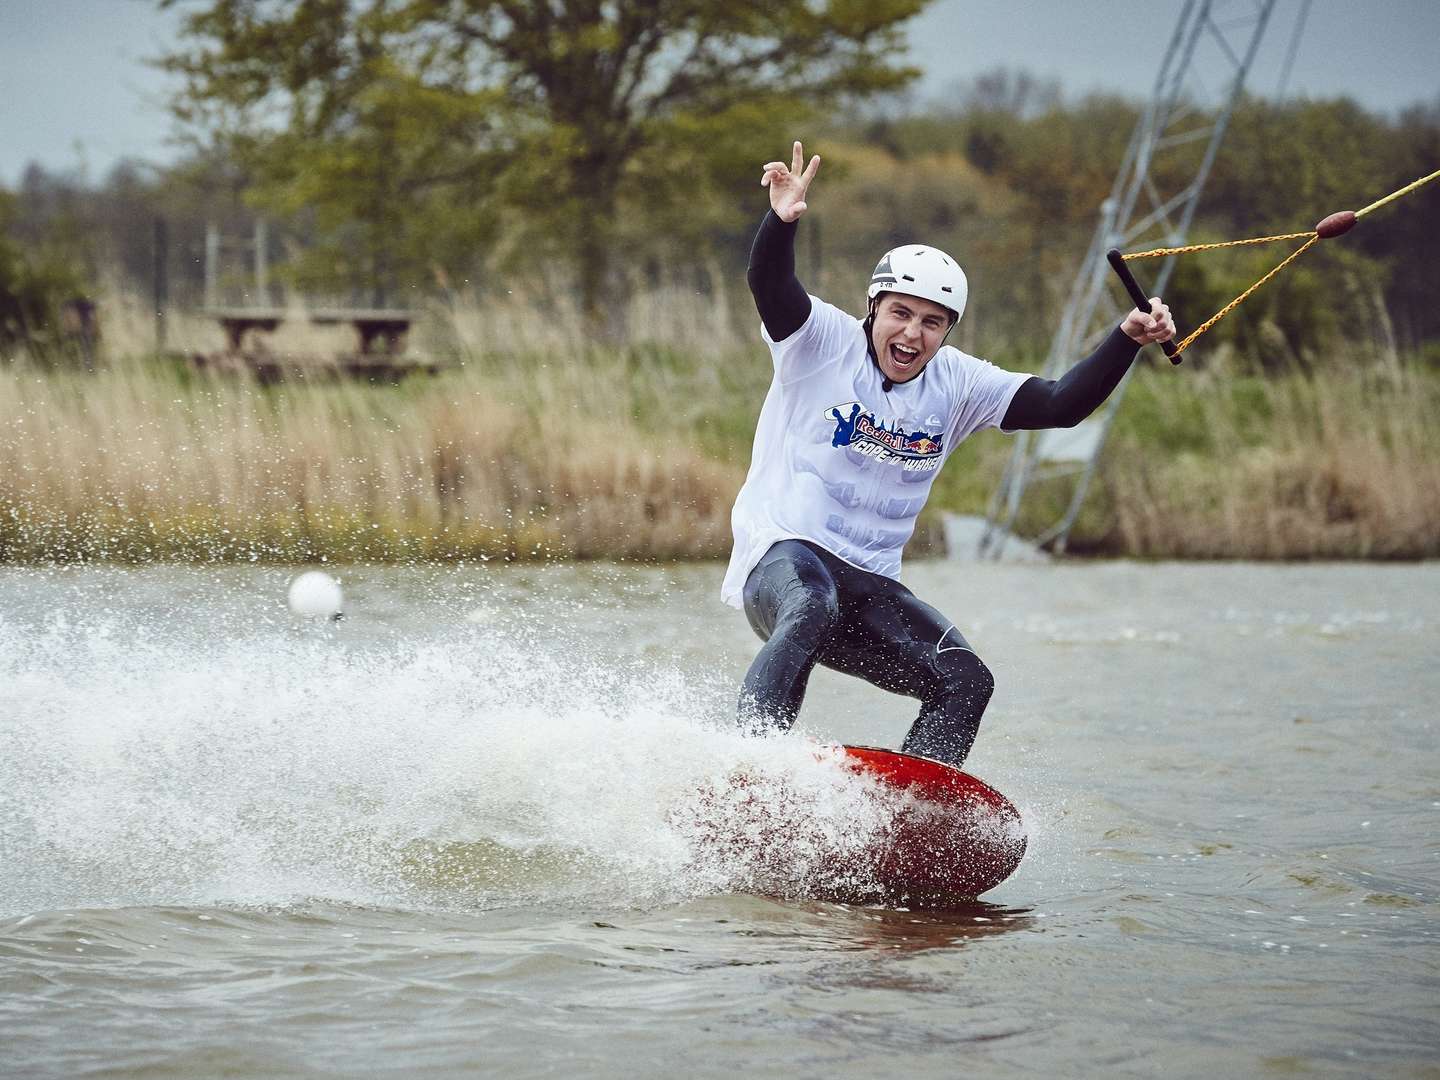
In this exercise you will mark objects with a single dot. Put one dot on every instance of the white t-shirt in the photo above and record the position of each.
(840, 462)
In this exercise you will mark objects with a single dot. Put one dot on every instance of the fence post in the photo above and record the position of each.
(212, 263)
(262, 262)
(161, 281)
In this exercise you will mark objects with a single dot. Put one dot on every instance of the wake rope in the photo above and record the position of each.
(1336, 224)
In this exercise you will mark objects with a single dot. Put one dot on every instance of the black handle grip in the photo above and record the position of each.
(1117, 263)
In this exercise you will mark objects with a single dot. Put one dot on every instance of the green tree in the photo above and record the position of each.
(35, 280)
(1019, 216)
(420, 132)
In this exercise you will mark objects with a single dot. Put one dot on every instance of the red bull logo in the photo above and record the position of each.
(858, 428)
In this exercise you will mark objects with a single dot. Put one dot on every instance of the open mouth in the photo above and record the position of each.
(903, 357)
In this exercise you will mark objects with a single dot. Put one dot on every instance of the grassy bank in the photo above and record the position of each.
(138, 464)
(539, 443)
(1346, 465)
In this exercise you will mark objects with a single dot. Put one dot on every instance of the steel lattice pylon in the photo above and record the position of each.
(1219, 34)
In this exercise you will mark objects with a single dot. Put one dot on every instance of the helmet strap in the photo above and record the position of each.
(869, 325)
(886, 383)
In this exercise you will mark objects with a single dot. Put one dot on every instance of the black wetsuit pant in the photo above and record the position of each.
(811, 606)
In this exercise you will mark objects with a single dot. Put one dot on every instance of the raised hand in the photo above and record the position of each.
(788, 184)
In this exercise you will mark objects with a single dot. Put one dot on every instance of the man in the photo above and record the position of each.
(858, 420)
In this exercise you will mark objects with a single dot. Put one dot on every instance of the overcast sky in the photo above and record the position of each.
(77, 94)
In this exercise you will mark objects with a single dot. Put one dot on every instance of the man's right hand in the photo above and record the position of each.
(788, 184)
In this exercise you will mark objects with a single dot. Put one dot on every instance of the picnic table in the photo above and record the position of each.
(389, 325)
(380, 335)
(237, 322)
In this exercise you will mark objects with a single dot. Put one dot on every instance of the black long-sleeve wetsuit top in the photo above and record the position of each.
(784, 305)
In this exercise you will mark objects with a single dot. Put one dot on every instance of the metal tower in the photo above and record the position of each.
(1210, 36)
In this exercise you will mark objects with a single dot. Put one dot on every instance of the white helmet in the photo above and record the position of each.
(923, 271)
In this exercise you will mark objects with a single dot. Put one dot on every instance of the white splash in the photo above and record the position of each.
(153, 764)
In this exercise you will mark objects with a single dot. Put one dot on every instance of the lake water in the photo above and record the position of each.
(447, 835)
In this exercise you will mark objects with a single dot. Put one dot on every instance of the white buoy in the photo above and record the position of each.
(316, 594)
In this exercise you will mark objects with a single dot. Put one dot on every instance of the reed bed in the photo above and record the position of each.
(1343, 465)
(539, 441)
(138, 465)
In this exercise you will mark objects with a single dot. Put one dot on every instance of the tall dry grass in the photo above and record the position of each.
(540, 441)
(1344, 464)
(514, 454)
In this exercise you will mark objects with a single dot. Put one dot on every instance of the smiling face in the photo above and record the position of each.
(907, 333)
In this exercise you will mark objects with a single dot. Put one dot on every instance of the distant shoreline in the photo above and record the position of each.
(635, 453)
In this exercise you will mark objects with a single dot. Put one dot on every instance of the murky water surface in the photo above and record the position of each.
(447, 835)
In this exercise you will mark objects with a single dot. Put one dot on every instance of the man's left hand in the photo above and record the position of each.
(1156, 326)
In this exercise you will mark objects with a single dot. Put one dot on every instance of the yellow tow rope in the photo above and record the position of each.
(1336, 224)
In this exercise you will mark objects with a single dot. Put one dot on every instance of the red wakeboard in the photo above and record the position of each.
(953, 839)
(932, 836)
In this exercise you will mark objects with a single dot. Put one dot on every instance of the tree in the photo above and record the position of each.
(36, 278)
(421, 131)
(1020, 216)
